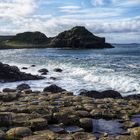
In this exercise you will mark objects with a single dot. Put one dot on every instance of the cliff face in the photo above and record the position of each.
(78, 37)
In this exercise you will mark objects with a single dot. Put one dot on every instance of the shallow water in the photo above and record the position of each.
(117, 68)
(111, 127)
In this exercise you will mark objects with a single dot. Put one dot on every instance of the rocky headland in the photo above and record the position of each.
(77, 37)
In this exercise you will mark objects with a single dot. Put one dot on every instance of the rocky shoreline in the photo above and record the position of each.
(56, 114)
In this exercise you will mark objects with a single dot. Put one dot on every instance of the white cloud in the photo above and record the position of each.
(70, 9)
(97, 2)
(16, 8)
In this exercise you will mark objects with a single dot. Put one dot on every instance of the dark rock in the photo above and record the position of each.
(8, 97)
(33, 65)
(24, 68)
(23, 87)
(5, 119)
(92, 93)
(12, 74)
(30, 38)
(9, 90)
(101, 95)
(43, 71)
(111, 94)
(2, 135)
(58, 70)
(18, 132)
(53, 78)
(53, 89)
(135, 96)
(78, 37)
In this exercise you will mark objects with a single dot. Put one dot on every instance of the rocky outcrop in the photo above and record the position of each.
(101, 95)
(78, 37)
(30, 38)
(54, 89)
(12, 74)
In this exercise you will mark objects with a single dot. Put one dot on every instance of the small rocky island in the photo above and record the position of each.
(77, 37)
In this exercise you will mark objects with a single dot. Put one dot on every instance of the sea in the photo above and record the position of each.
(90, 69)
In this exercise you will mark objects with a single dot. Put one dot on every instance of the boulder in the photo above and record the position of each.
(43, 70)
(58, 70)
(9, 90)
(86, 123)
(111, 94)
(135, 132)
(8, 97)
(101, 95)
(13, 74)
(38, 124)
(83, 136)
(18, 132)
(2, 135)
(53, 89)
(24, 68)
(23, 87)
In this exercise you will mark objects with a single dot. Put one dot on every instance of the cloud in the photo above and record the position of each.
(70, 9)
(97, 2)
(16, 8)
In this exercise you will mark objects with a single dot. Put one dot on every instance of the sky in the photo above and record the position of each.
(117, 20)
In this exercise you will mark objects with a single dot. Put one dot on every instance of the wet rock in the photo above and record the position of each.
(56, 128)
(111, 94)
(83, 136)
(86, 123)
(13, 74)
(58, 70)
(33, 65)
(53, 89)
(46, 134)
(43, 70)
(9, 90)
(36, 137)
(18, 132)
(24, 68)
(27, 91)
(135, 97)
(53, 78)
(38, 124)
(8, 97)
(23, 87)
(101, 95)
(82, 113)
(73, 129)
(2, 135)
(64, 137)
(135, 132)
(92, 94)
(129, 124)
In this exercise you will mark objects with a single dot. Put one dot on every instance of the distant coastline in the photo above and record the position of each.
(78, 37)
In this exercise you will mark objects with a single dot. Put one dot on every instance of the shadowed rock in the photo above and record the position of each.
(101, 95)
(13, 74)
(79, 37)
(53, 89)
